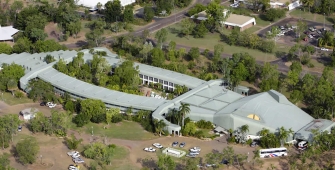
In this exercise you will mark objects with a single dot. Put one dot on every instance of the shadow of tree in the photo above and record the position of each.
(149, 163)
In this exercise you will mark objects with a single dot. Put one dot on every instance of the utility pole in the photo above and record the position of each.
(92, 130)
(324, 20)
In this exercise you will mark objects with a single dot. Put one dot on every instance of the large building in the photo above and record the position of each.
(209, 101)
(7, 32)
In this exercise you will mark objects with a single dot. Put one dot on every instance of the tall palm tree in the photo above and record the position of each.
(176, 115)
(178, 90)
(244, 129)
(159, 126)
(283, 135)
(264, 132)
(184, 109)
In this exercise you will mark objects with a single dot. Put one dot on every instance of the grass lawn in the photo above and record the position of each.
(12, 100)
(261, 23)
(310, 16)
(120, 153)
(253, 29)
(211, 39)
(124, 130)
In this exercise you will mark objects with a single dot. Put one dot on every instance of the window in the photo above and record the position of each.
(161, 81)
(141, 76)
(146, 77)
(253, 116)
(166, 83)
(171, 84)
(155, 80)
(150, 78)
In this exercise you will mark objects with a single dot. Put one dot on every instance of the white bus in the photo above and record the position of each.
(273, 152)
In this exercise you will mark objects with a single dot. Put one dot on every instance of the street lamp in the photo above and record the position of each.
(324, 19)
(92, 130)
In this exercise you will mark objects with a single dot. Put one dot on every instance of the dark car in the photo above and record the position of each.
(224, 161)
(175, 144)
(254, 143)
(182, 144)
(19, 128)
(42, 104)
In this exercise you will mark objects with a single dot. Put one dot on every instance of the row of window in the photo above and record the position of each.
(156, 80)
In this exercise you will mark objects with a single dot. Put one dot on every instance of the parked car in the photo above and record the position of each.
(174, 144)
(312, 29)
(282, 27)
(19, 129)
(52, 105)
(324, 49)
(224, 161)
(318, 31)
(254, 144)
(150, 149)
(194, 153)
(302, 145)
(73, 167)
(210, 165)
(191, 155)
(42, 104)
(72, 153)
(182, 144)
(77, 155)
(310, 36)
(78, 160)
(157, 145)
(195, 149)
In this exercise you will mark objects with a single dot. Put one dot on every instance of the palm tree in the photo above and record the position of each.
(184, 109)
(244, 129)
(159, 126)
(178, 90)
(176, 115)
(264, 132)
(283, 135)
(308, 3)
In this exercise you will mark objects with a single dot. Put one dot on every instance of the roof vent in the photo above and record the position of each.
(280, 98)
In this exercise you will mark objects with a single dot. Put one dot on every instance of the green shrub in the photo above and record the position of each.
(116, 118)
(204, 124)
(249, 141)
(199, 134)
(18, 94)
(232, 140)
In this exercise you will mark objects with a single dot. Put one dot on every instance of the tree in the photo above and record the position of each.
(273, 34)
(15, 8)
(272, 14)
(244, 129)
(23, 44)
(41, 91)
(214, 157)
(301, 27)
(269, 77)
(5, 162)
(94, 37)
(99, 152)
(48, 45)
(191, 164)
(113, 11)
(128, 14)
(161, 36)
(184, 109)
(147, 47)
(110, 113)
(27, 150)
(308, 3)
(190, 129)
(5, 48)
(194, 53)
(74, 28)
(216, 16)
(200, 30)
(159, 126)
(148, 13)
(72, 143)
(37, 34)
(12, 86)
(187, 26)
(166, 163)
(229, 154)
(157, 57)
(92, 109)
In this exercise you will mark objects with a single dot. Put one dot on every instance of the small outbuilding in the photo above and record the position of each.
(28, 113)
(6, 33)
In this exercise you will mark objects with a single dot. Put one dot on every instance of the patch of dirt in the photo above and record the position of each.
(52, 31)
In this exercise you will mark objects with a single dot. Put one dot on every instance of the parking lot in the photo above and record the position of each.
(290, 36)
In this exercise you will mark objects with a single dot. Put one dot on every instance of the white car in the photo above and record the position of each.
(194, 153)
(195, 149)
(324, 49)
(150, 149)
(73, 167)
(72, 153)
(310, 36)
(52, 105)
(78, 160)
(75, 155)
(157, 145)
(48, 103)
